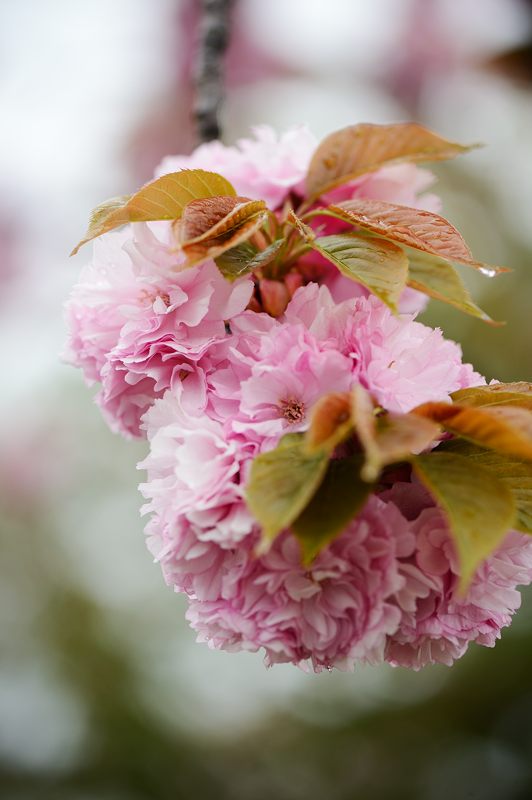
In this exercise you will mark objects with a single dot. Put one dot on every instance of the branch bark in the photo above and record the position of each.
(213, 40)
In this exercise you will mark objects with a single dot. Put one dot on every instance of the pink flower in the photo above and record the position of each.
(273, 379)
(117, 285)
(193, 469)
(334, 613)
(437, 626)
(266, 168)
(402, 362)
(196, 566)
(139, 325)
(168, 344)
(404, 184)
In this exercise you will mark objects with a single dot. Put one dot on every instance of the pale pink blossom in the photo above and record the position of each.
(437, 624)
(404, 184)
(140, 324)
(401, 361)
(383, 590)
(169, 343)
(334, 613)
(192, 466)
(115, 286)
(266, 167)
(274, 379)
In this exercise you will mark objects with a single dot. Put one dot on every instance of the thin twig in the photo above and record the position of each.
(213, 41)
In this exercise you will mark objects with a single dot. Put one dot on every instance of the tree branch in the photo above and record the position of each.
(214, 38)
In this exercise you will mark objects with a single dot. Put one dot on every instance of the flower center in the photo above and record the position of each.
(148, 296)
(293, 410)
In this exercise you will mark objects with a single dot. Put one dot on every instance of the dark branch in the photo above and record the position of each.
(213, 41)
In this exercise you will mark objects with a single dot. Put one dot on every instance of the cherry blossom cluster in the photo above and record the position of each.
(190, 362)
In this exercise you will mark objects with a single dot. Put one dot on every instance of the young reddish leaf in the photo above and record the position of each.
(380, 266)
(363, 416)
(330, 422)
(397, 437)
(516, 474)
(214, 217)
(508, 394)
(506, 429)
(439, 279)
(161, 199)
(339, 498)
(387, 438)
(246, 258)
(210, 227)
(479, 507)
(413, 227)
(199, 252)
(281, 484)
(359, 149)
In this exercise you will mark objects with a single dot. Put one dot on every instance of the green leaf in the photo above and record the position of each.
(161, 199)
(439, 279)
(246, 258)
(281, 484)
(413, 227)
(506, 394)
(380, 266)
(338, 499)
(516, 474)
(359, 149)
(479, 507)
(506, 429)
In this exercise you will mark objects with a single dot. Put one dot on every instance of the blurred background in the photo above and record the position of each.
(104, 694)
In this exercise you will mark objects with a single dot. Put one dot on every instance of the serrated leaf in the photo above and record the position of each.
(387, 437)
(211, 218)
(479, 507)
(304, 230)
(214, 248)
(246, 258)
(413, 227)
(340, 496)
(380, 266)
(508, 394)
(506, 429)
(161, 199)
(281, 484)
(439, 279)
(516, 474)
(330, 422)
(359, 149)
(211, 226)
